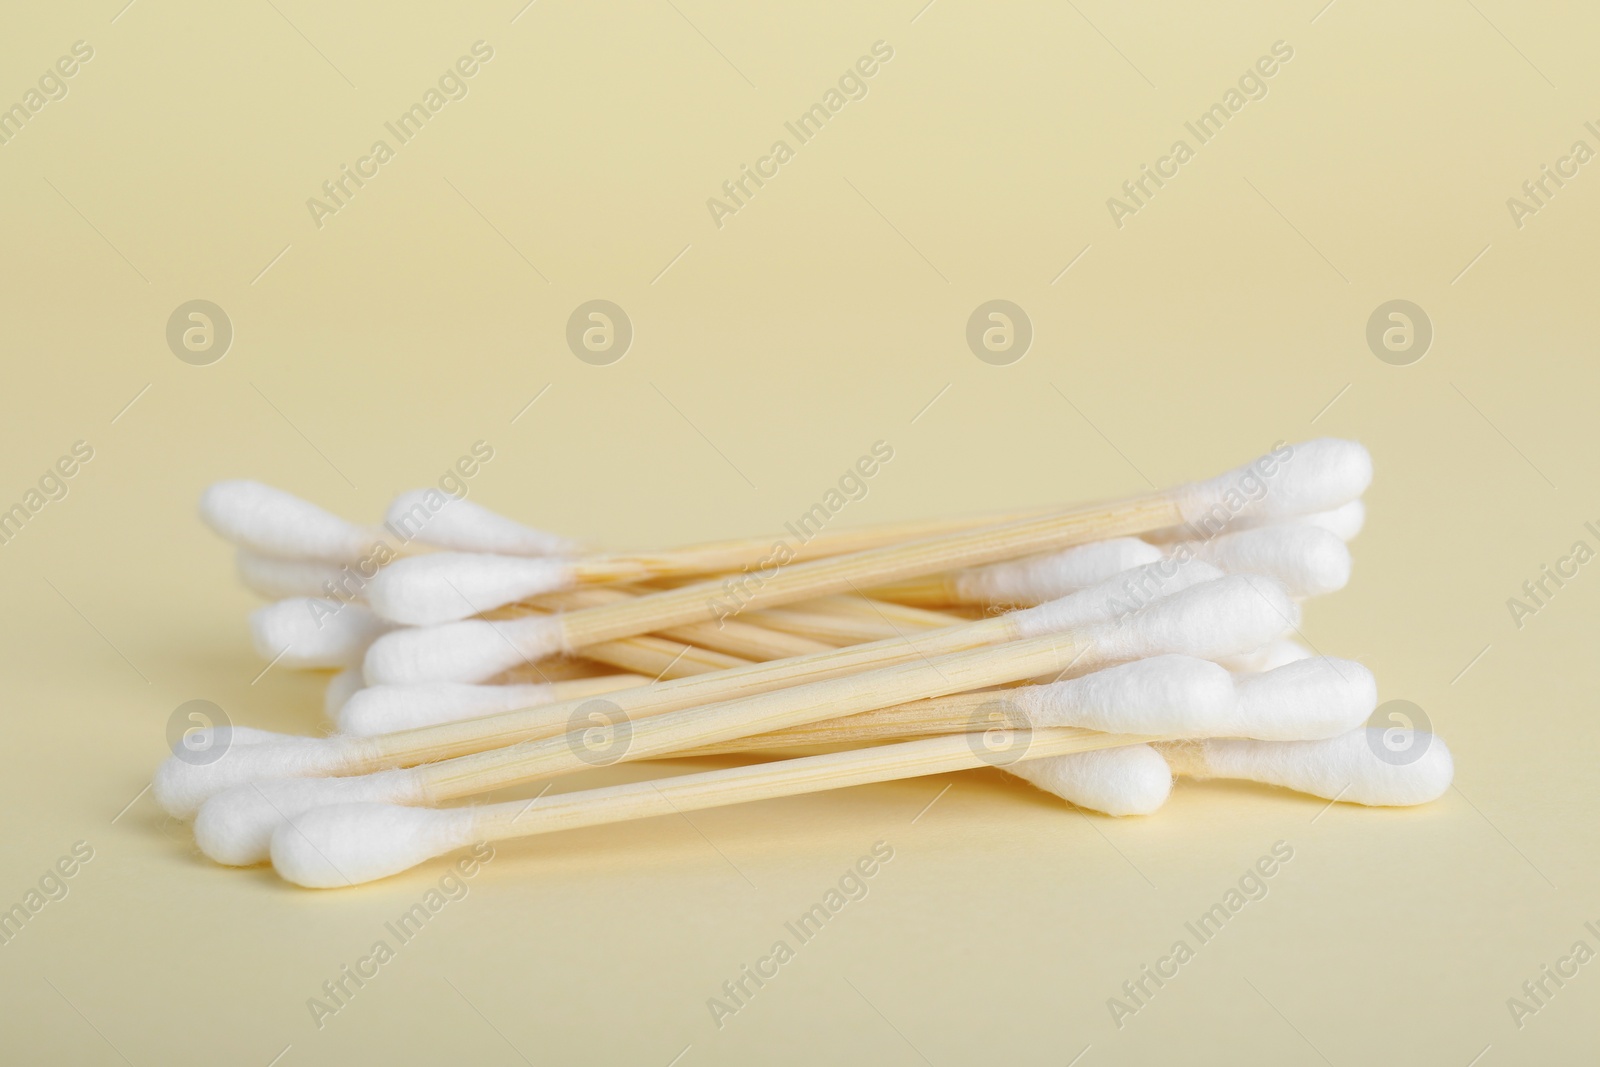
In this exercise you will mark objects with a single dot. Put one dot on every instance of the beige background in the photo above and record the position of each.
(825, 315)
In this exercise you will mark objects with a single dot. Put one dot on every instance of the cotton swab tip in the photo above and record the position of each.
(435, 518)
(1132, 780)
(383, 709)
(314, 632)
(1343, 522)
(1356, 766)
(341, 687)
(275, 523)
(1039, 578)
(182, 783)
(1309, 699)
(1268, 657)
(1114, 597)
(276, 578)
(468, 651)
(1159, 695)
(1289, 482)
(347, 844)
(235, 827)
(1209, 620)
(446, 586)
(1308, 560)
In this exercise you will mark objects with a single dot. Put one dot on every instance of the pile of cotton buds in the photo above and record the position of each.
(1095, 651)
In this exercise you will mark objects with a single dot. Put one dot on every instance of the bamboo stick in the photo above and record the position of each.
(559, 669)
(855, 605)
(346, 844)
(678, 652)
(593, 686)
(660, 657)
(954, 714)
(447, 740)
(657, 657)
(956, 672)
(766, 781)
(849, 620)
(715, 557)
(703, 601)
(737, 637)
(925, 591)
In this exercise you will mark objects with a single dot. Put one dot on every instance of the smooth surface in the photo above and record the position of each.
(826, 315)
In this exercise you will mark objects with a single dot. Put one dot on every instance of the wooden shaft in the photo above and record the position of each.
(661, 657)
(747, 637)
(690, 727)
(856, 606)
(850, 573)
(958, 713)
(677, 652)
(765, 781)
(720, 556)
(835, 629)
(552, 670)
(650, 654)
(737, 637)
(583, 688)
(929, 590)
(448, 740)
(820, 620)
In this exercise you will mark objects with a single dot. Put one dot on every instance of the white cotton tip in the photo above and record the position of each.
(235, 827)
(275, 523)
(314, 632)
(1114, 597)
(383, 709)
(1225, 617)
(202, 739)
(1268, 657)
(436, 518)
(470, 651)
(341, 687)
(446, 586)
(347, 844)
(276, 578)
(1343, 522)
(1308, 560)
(1159, 695)
(1347, 767)
(1290, 481)
(1311, 699)
(1037, 579)
(1132, 780)
(181, 784)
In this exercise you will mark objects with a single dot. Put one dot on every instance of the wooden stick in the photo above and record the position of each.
(766, 781)
(745, 639)
(657, 657)
(955, 714)
(660, 734)
(678, 652)
(721, 556)
(592, 686)
(850, 620)
(557, 669)
(686, 651)
(926, 591)
(660, 657)
(857, 606)
(447, 740)
(703, 601)
(750, 637)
